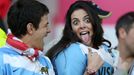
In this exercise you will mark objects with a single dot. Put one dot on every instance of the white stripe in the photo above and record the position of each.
(83, 48)
(22, 62)
(103, 54)
(106, 56)
(9, 46)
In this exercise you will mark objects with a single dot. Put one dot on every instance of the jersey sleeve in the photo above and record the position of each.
(71, 61)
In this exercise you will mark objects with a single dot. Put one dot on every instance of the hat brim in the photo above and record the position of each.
(105, 16)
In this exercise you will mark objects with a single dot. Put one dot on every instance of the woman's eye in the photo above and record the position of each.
(87, 20)
(75, 22)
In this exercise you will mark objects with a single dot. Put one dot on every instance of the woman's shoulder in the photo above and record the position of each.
(104, 46)
(66, 60)
(72, 47)
(71, 51)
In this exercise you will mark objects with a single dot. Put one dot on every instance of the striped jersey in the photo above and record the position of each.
(14, 63)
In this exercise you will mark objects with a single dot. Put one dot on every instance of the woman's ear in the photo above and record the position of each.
(30, 28)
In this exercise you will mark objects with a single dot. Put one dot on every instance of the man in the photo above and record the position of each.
(22, 55)
(125, 34)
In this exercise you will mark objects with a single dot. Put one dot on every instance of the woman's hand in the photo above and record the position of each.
(94, 63)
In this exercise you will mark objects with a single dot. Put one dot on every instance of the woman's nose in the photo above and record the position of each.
(82, 25)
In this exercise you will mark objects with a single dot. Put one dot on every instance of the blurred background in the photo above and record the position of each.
(58, 9)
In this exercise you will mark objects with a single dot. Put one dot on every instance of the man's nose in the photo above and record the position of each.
(48, 30)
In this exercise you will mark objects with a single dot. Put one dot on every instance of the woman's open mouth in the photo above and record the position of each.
(85, 36)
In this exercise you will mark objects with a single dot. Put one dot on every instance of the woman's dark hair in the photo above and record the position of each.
(69, 36)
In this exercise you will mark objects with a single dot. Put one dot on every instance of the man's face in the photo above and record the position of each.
(41, 32)
(130, 40)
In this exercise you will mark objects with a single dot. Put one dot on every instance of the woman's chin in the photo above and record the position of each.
(86, 43)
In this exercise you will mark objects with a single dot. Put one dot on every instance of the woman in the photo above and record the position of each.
(82, 27)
